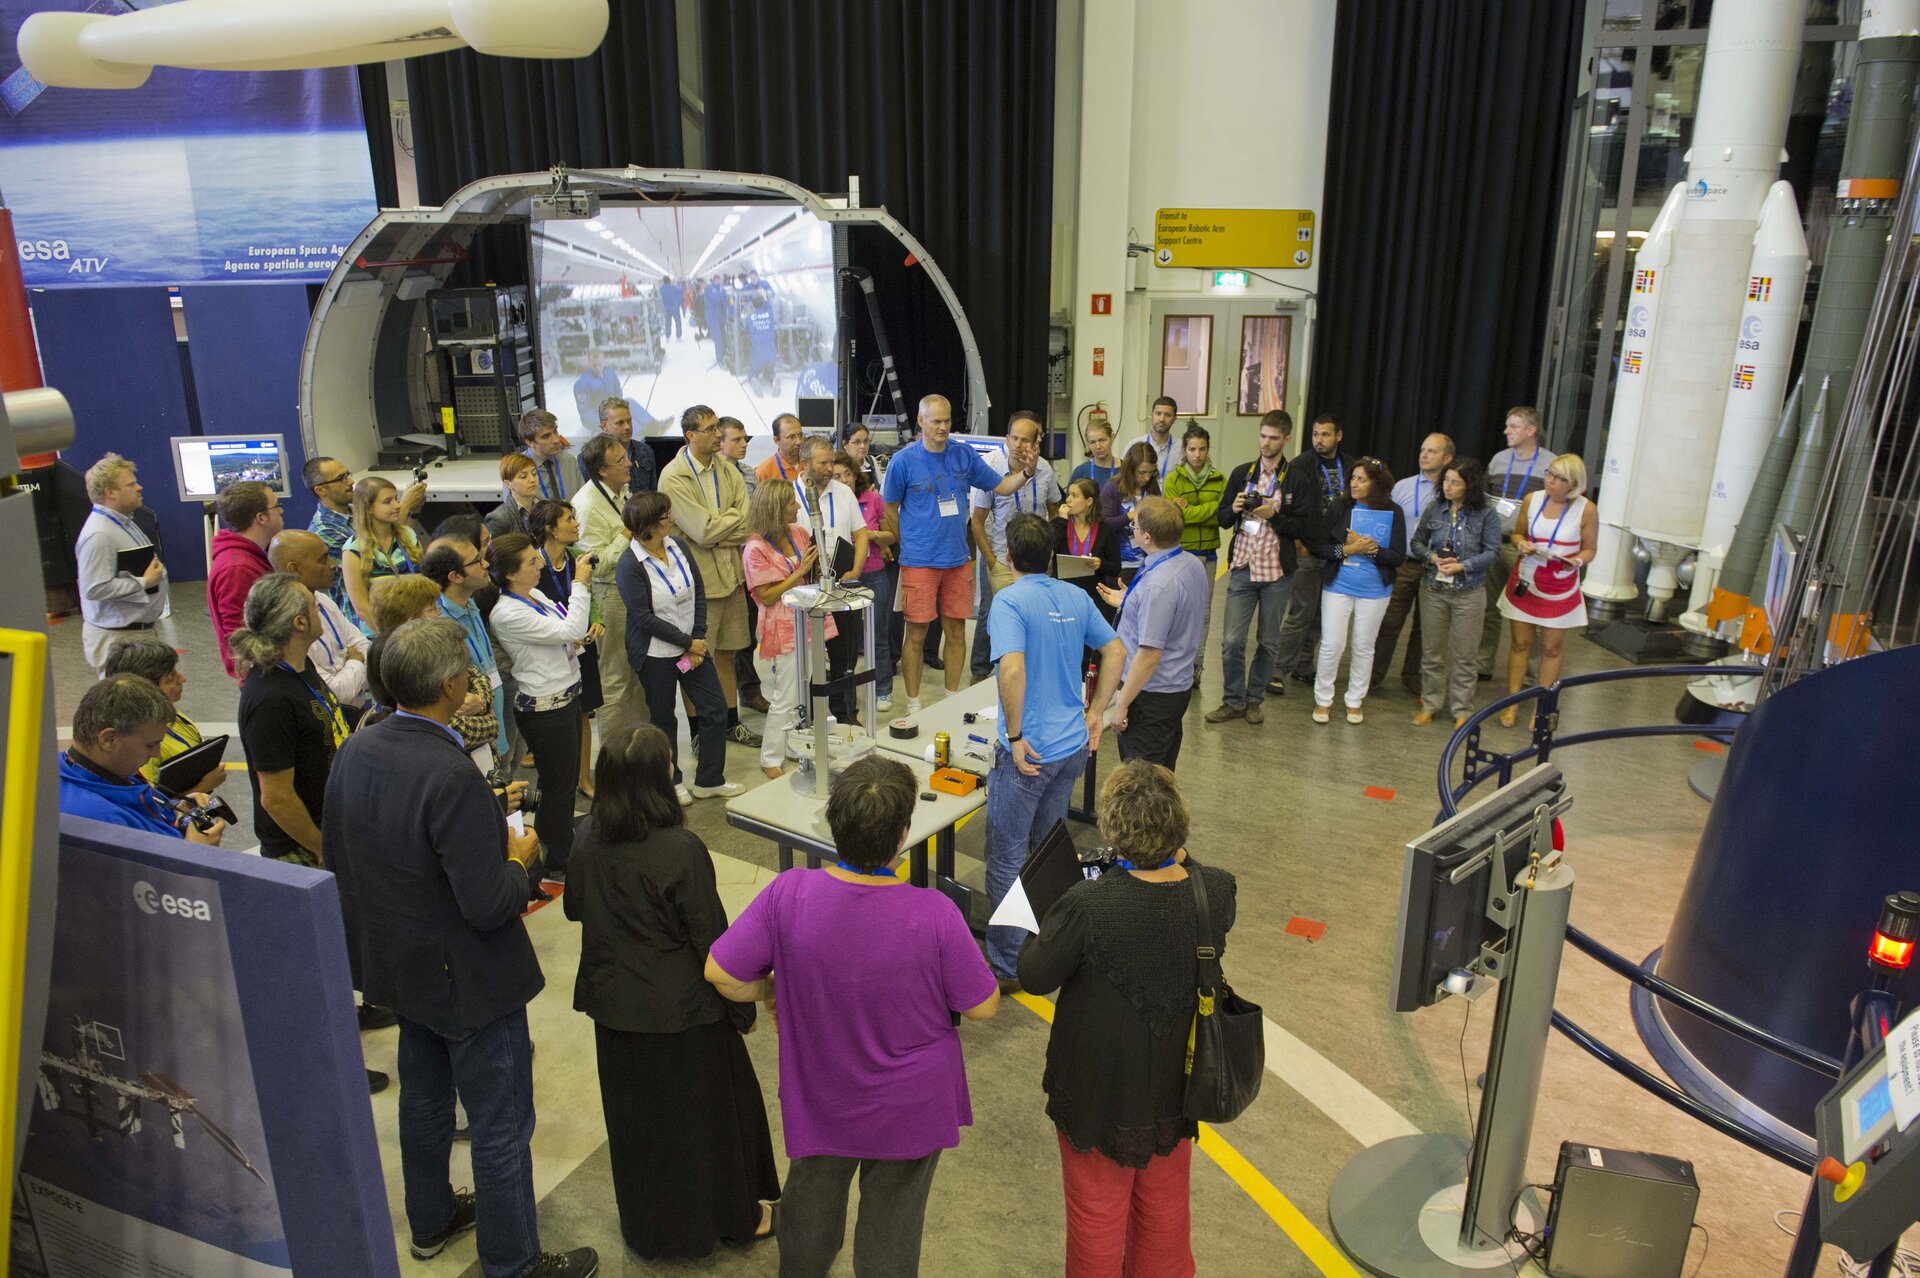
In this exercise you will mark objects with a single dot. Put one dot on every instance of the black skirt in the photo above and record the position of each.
(687, 1132)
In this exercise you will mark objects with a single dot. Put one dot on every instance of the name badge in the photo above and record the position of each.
(494, 681)
(483, 759)
(1251, 525)
(1446, 578)
(1507, 507)
(949, 507)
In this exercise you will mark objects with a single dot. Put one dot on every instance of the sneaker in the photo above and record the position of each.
(376, 1082)
(725, 790)
(373, 1017)
(741, 734)
(883, 705)
(1256, 713)
(1277, 687)
(1225, 713)
(936, 663)
(1322, 714)
(913, 706)
(1459, 721)
(1354, 715)
(583, 1262)
(1423, 717)
(683, 794)
(463, 1217)
(1302, 676)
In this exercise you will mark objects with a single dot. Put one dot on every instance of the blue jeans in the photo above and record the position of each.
(492, 1069)
(882, 582)
(1020, 811)
(1241, 687)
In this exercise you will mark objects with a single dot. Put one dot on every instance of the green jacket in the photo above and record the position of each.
(1203, 493)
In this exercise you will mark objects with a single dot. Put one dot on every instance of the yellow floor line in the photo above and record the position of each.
(1311, 1242)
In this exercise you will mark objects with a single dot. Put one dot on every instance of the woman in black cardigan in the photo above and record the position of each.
(1120, 949)
(686, 1128)
(667, 642)
(1079, 530)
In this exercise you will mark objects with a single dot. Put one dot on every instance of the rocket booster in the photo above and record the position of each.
(1733, 592)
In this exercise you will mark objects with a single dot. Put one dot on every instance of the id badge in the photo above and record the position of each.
(1507, 507)
(494, 680)
(483, 759)
(949, 507)
(1446, 578)
(1251, 525)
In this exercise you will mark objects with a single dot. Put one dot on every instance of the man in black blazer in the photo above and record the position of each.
(434, 884)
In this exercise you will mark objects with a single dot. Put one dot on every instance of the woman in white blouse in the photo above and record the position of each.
(666, 643)
(543, 636)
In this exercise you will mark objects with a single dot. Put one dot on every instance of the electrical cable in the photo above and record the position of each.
(1466, 1088)
(1706, 1241)
(1535, 1245)
(1906, 1264)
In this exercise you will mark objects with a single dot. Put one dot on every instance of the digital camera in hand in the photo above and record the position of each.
(208, 814)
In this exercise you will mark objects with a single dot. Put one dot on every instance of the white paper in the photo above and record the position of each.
(1903, 1071)
(1015, 910)
(990, 713)
(483, 759)
(517, 824)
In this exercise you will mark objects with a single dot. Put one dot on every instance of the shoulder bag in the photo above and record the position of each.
(1226, 1046)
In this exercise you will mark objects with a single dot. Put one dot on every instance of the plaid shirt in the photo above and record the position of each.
(1258, 550)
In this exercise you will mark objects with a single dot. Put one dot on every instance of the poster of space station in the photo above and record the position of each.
(675, 304)
(145, 1151)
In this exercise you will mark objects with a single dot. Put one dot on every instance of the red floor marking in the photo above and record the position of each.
(1711, 747)
(1297, 926)
(557, 889)
(1377, 792)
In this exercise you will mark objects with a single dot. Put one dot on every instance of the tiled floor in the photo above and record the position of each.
(1286, 807)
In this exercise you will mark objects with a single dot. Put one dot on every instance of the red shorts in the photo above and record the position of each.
(926, 593)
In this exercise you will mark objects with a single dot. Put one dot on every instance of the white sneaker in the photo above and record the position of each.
(913, 706)
(685, 796)
(883, 705)
(725, 790)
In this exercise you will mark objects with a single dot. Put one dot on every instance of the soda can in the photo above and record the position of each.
(942, 749)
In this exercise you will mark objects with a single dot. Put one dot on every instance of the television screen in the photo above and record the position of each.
(203, 465)
(672, 304)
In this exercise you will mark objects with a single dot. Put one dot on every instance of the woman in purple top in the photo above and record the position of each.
(874, 978)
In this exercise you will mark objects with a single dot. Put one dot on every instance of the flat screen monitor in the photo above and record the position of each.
(203, 465)
(1448, 875)
(673, 304)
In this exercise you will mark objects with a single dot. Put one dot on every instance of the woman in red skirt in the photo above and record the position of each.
(1556, 534)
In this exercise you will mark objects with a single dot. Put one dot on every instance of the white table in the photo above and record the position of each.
(949, 716)
(798, 822)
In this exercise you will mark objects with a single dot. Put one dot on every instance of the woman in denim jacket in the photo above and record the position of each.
(1458, 539)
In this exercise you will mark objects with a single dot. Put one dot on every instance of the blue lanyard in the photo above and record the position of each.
(334, 630)
(337, 721)
(1340, 473)
(714, 471)
(558, 607)
(1093, 472)
(800, 494)
(408, 714)
(1507, 483)
(399, 548)
(1273, 483)
(673, 558)
(177, 737)
(1553, 536)
(1166, 454)
(781, 463)
(540, 473)
(1417, 481)
(1032, 489)
(884, 872)
(562, 581)
(1453, 530)
(485, 662)
(1141, 576)
(126, 526)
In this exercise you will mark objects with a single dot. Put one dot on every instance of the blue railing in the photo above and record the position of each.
(1481, 763)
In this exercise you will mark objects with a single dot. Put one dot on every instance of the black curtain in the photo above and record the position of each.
(944, 110)
(375, 107)
(1445, 152)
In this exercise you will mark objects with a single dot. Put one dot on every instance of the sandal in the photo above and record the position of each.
(1509, 716)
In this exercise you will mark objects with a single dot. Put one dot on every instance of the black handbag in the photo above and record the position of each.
(1227, 1045)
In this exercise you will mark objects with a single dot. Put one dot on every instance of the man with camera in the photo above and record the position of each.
(433, 882)
(117, 727)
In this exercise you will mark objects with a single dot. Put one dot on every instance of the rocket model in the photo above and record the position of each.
(1878, 132)
(1704, 300)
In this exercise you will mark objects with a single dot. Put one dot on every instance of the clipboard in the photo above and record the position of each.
(1075, 567)
(179, 774)
(1052, 867)
(133, 561)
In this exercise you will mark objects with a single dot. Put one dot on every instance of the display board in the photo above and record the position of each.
(201, 1102)
(203, 465)
(669, 305)
(195, 175)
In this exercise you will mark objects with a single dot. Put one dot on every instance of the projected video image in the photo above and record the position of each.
(677, 304)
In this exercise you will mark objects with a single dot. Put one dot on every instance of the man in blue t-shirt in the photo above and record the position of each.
(928, 489)
(1041, 629)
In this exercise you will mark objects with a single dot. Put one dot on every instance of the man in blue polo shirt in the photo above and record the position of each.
(1041, 628)
(928, 488)
(1161, 624)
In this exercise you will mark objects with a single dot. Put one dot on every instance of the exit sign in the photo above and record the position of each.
(1229, 279)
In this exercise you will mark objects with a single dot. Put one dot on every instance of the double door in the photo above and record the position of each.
(1226, 363)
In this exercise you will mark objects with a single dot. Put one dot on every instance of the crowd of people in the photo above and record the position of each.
(392, 682)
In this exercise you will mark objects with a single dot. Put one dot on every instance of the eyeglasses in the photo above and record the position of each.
(708, 429)
(340, 478)
(474, 563)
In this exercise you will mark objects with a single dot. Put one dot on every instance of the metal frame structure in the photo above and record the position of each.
(339, 369)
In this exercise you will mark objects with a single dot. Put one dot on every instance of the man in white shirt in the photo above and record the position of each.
(115, 605)
(1159, 436)
(339, 650)
(598, 504)
(1040, 495)
(1412, 495)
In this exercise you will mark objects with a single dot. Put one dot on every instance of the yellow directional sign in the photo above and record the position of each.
(1226, 238)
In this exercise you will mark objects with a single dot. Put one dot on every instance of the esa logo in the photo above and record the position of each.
(59, 251)
(152, 902)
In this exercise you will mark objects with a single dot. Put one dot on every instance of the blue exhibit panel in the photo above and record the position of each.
(244, 342)
(112, 353)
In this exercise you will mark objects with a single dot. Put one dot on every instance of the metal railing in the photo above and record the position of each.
(1480, 763)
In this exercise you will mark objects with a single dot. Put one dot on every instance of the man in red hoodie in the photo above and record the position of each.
(250, 515)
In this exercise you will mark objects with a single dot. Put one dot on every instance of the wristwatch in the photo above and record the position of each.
(1014, 736)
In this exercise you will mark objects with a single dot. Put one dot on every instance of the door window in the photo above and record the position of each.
(1264, 342)
(1186, 362)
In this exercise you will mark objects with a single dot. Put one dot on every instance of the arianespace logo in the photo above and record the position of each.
(1701, 191)
(184, 907)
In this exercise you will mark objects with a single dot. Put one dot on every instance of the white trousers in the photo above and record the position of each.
(1336, 612)
(776, 685)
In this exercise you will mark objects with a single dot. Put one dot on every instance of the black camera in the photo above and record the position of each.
(420, 474)
(529, 800)
(206, 815)
(593, 562)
